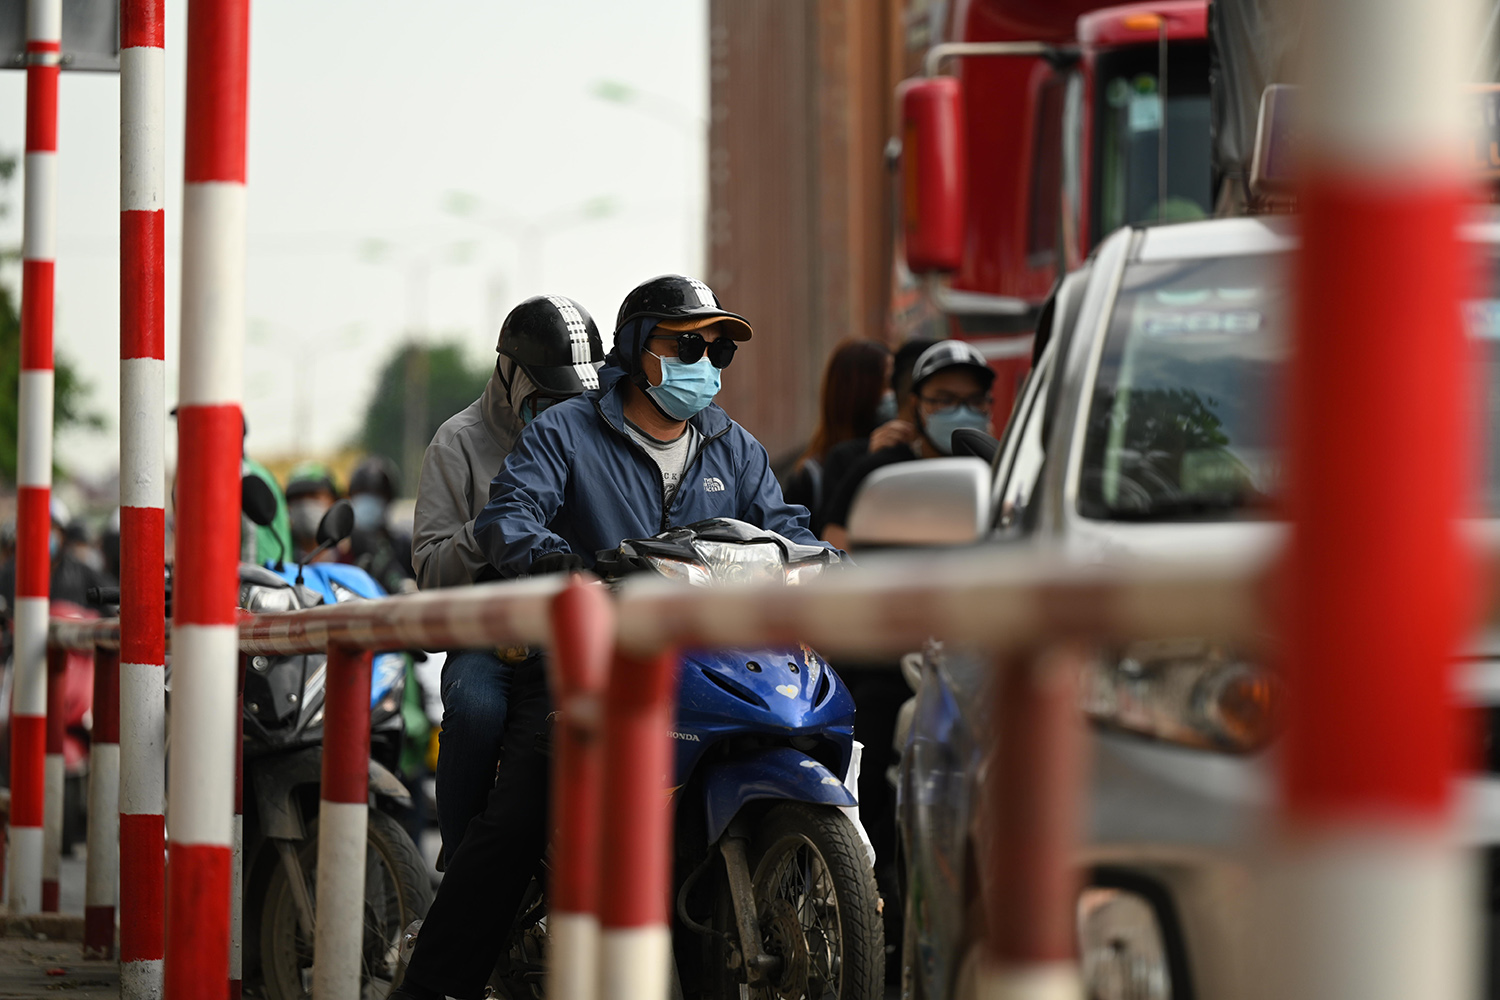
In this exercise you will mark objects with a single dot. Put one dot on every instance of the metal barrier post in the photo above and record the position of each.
(142, 495)
(103, 875)
(636, 834)
(583, 639)
(210, 432)
(34, 456)
(56, 776)
(1380, 904)
(1031, 828)
(343, 815)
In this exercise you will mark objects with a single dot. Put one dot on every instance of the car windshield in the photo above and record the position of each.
(1182, 424)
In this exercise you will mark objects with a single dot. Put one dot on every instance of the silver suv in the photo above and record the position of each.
(1146, 431)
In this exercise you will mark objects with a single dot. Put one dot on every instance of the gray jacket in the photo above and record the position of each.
(465, 454)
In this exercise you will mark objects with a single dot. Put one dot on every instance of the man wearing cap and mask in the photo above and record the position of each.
(549, 350)
(646, 451)
(950, 391)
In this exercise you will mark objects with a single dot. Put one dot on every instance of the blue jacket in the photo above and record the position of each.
(577, 482)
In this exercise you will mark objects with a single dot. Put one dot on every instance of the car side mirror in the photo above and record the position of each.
(257, 500)
(337, 524)
(935, 501)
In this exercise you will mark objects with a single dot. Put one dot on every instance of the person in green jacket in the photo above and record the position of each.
(273, 542)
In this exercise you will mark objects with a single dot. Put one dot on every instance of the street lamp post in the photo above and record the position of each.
(530, 235)
(694, 130)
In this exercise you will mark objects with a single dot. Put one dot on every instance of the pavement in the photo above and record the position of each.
(42, 956)
(33, 969)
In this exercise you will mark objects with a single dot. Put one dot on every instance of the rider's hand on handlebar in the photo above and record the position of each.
(557, 562)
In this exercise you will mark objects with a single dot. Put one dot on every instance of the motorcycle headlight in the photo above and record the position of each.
(758, 563)
(266, 600)
(681, 569)
(1124, 956)
(341, 593)
(804, 573)
(1185, 693)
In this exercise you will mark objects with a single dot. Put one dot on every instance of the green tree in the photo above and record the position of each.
(452, 384)
(70, 392)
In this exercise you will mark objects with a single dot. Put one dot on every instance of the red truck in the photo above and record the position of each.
(1035, 131)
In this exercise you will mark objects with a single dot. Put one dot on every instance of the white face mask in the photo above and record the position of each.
(369, 511)
(305, 514)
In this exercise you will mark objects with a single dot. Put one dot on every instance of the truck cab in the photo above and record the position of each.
(1021, 152)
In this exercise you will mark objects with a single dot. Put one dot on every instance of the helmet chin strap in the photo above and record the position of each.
(636, 373)
(641, 382)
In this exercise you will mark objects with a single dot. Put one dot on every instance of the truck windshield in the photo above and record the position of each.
(1182, 425)
(1128, 112)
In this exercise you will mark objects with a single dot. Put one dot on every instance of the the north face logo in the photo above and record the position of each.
(713, 484)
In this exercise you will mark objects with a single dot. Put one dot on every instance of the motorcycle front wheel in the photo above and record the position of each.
(817, 905)
(397, 891)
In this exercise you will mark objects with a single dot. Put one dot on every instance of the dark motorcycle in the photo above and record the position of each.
(283, 756)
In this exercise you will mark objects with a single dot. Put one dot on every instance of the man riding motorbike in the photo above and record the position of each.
(374, 547)
(645, 451)
(549, 350)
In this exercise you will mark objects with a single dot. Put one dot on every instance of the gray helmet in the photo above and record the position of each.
(947, 354)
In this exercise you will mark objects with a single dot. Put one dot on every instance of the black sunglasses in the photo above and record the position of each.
(691, 347)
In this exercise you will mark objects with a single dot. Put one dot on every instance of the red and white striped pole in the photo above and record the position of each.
(55, 769)
(583, 621)
(1379, 903)
(103, 876)
(205, 640)
(343, 817)
(1031, 828)
(34, 457)
(143, 718)
(635, 946)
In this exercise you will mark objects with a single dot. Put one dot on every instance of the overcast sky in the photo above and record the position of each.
(398, 153)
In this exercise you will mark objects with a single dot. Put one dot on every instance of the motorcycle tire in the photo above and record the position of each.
(397, 891)
(818, 907)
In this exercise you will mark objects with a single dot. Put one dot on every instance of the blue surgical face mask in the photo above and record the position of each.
(885, 410)
(369, 511)
(940, 426)
(685, 389)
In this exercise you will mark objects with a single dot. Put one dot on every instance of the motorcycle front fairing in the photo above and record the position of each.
(935, 799)
(337, 583)
(765, 723)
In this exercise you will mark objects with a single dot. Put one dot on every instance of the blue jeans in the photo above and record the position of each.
(476, 695)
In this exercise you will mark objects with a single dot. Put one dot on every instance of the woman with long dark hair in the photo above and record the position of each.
(855, 382)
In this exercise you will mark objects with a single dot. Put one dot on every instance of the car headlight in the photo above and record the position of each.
(761, 562)
(1123, 954)
(266, 600)
(681, 569)
(1187, 693)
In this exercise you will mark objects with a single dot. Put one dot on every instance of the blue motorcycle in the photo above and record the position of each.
(774, 884)
(283, 751)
